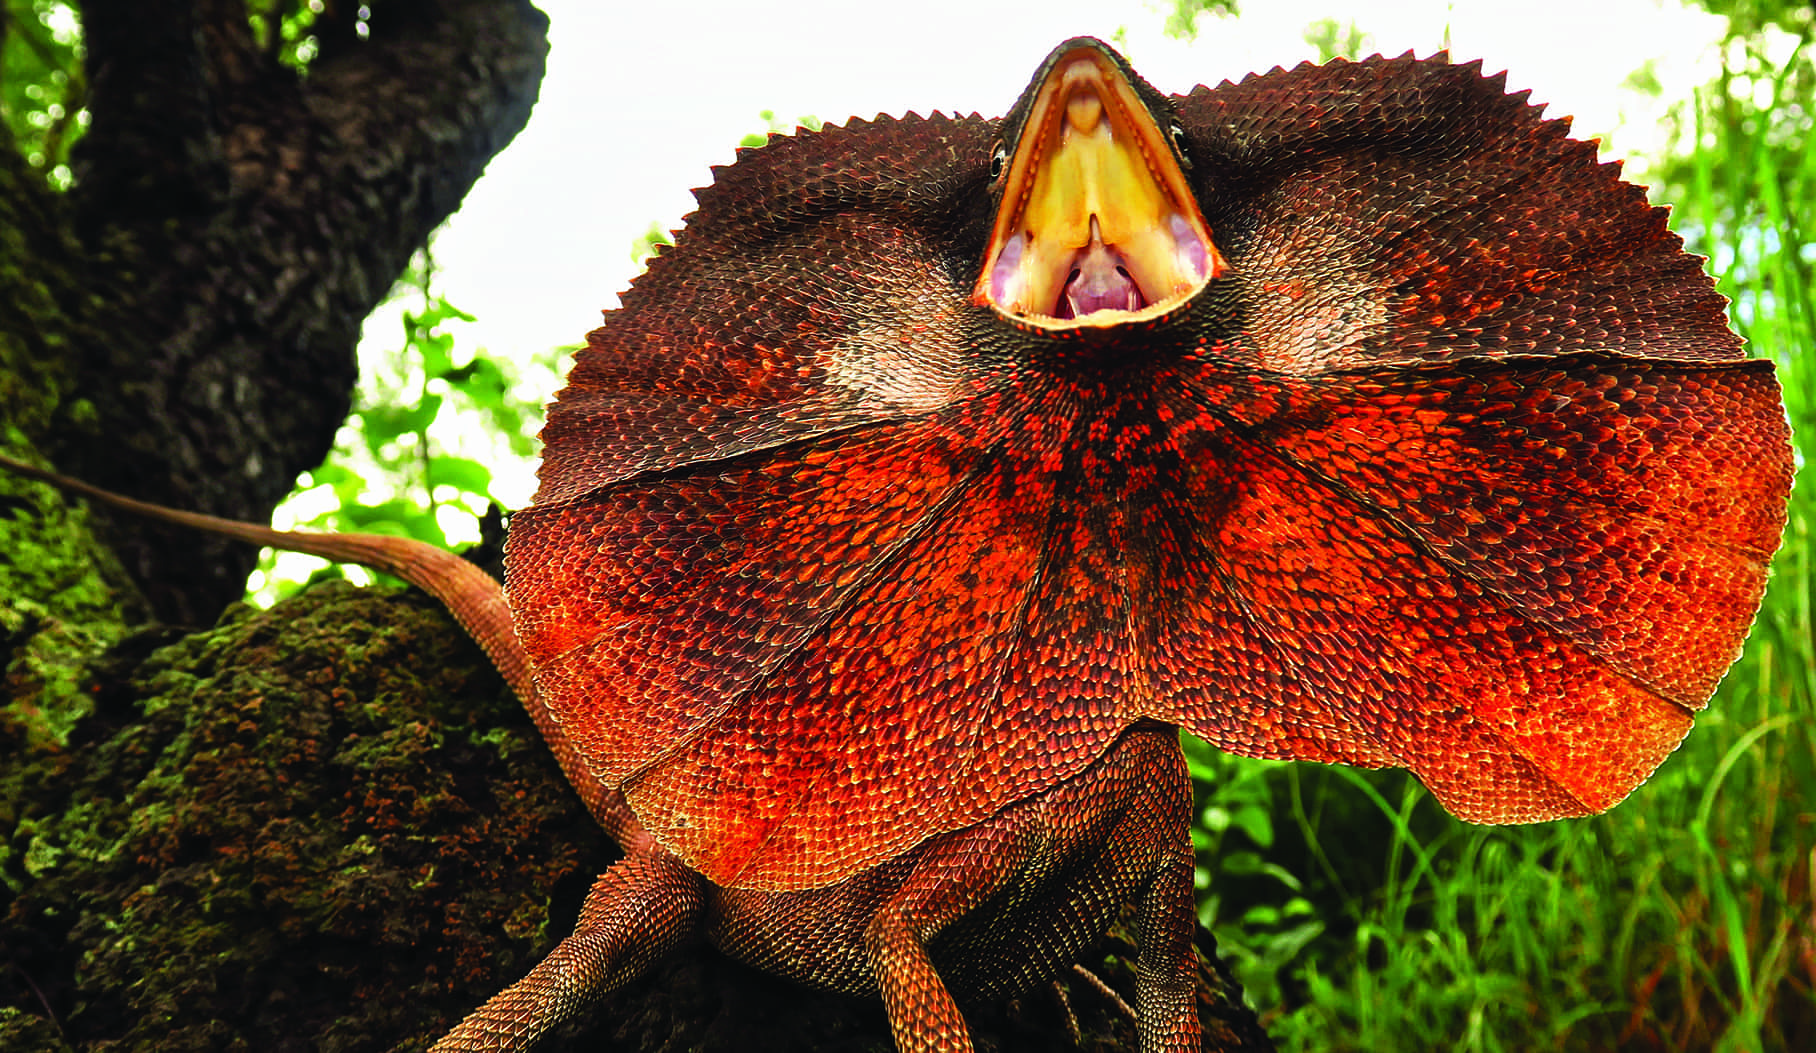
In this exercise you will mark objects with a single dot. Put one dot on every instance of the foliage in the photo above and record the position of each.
(43, 89)
(652, 241)
(284, 29)
(1182, 20)
(1331, 39)
(772, 126)
(1749, 19)
(412, 458)
(1681, 919)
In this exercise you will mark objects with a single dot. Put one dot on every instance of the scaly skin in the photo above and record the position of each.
(1456, 468)
(1454, 465)
(877, 597)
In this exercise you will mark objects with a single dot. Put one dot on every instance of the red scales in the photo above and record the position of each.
(1373, 459)
(1352, 413)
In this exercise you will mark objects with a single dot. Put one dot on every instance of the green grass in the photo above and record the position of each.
(1362, 918)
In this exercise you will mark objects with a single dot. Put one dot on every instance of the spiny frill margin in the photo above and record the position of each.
(1460, 470)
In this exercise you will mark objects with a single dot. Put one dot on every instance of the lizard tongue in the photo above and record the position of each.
(1096, 224)
(1098, 282)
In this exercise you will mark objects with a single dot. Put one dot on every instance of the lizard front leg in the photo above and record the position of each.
(644, 906)
(1167, 967)
(957, 874)
(1039, 882)
(922, 1015)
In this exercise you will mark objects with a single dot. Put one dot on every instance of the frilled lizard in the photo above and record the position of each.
(945, 468)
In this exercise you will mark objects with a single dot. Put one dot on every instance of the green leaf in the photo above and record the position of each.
(1257, 822)
(461, 473)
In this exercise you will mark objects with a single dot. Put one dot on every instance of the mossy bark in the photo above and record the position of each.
(180, 325)
(326, 825)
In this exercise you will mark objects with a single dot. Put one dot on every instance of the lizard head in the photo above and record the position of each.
(1096, 225)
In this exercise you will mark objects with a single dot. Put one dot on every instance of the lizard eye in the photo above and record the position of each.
(999, 158)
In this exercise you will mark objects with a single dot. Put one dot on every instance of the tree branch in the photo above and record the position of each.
(152, 148)
(225, 361)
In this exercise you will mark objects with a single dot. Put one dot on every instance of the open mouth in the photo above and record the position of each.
(1097, 226)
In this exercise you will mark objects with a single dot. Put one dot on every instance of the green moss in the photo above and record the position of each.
(60, 607)
(61, 595)
(265, 837)
(22, 1032)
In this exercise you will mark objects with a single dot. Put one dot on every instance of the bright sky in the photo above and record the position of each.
(641, 98)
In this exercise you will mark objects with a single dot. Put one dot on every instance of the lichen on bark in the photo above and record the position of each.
(265, 826)
(63, 596)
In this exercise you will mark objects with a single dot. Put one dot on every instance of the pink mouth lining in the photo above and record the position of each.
(1098, 282)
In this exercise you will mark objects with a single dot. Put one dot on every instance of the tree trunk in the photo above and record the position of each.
(328, 825)
(231, 225)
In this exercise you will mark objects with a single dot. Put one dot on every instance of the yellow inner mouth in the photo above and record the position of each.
(1097, 225)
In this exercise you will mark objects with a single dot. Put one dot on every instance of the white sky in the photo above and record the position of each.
(641, 98)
